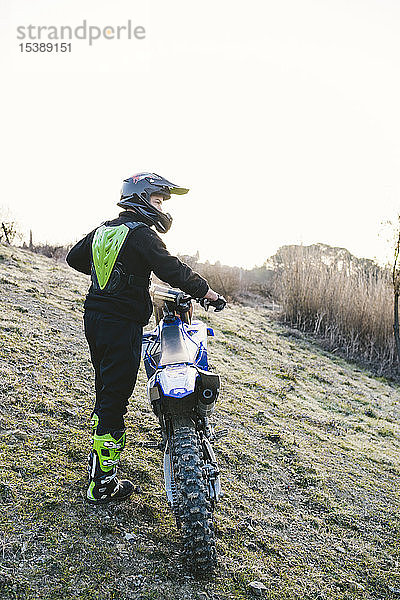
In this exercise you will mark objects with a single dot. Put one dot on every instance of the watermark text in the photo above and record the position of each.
(87, 32)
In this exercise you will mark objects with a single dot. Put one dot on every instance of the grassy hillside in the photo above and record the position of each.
(310, 466)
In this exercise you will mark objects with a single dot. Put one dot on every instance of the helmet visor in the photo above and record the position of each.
(173, 189)
(178, 190)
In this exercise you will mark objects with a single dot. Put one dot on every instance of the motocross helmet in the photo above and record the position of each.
(136, 192)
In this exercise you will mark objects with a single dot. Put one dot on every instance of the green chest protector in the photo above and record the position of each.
(108, 274)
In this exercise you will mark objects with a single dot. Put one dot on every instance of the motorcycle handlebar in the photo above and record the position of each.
(182, 301)
(218, 304)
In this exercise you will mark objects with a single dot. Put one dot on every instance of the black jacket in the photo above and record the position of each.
(143, 252)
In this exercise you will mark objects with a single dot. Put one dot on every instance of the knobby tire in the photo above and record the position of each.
(195, 512)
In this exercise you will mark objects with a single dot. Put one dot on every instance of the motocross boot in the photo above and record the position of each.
(104, 485)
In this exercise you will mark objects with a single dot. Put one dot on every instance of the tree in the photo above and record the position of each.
(8, 232)
(9, 229)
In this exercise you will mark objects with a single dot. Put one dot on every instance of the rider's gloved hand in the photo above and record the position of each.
(219, 304)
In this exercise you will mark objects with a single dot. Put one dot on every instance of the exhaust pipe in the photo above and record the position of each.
(206, 403)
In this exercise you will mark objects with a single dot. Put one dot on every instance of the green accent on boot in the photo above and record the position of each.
(93, 423)
(108, 450)
(89, 493)
(106, 245)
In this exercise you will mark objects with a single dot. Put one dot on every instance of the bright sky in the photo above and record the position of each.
(281, 117)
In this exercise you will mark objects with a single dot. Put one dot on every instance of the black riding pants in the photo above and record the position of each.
(115, 346)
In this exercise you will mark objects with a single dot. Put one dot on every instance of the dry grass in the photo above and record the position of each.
(348, 305)
(50, 250)
(310, 467)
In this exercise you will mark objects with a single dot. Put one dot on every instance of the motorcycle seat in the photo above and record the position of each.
(173, 347)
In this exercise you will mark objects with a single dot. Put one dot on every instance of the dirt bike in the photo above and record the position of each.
(182, 393)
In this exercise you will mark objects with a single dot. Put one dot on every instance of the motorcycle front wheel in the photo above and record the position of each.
(194, 508)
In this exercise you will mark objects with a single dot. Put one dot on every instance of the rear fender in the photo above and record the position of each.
(177, 381)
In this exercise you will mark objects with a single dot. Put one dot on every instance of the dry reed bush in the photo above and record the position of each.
(233, 282)
(349, 303)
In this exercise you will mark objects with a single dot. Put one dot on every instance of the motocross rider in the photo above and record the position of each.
(120, 255)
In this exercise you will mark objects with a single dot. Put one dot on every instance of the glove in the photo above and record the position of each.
(219, 304)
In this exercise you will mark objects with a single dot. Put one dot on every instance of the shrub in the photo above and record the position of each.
(345, 300)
